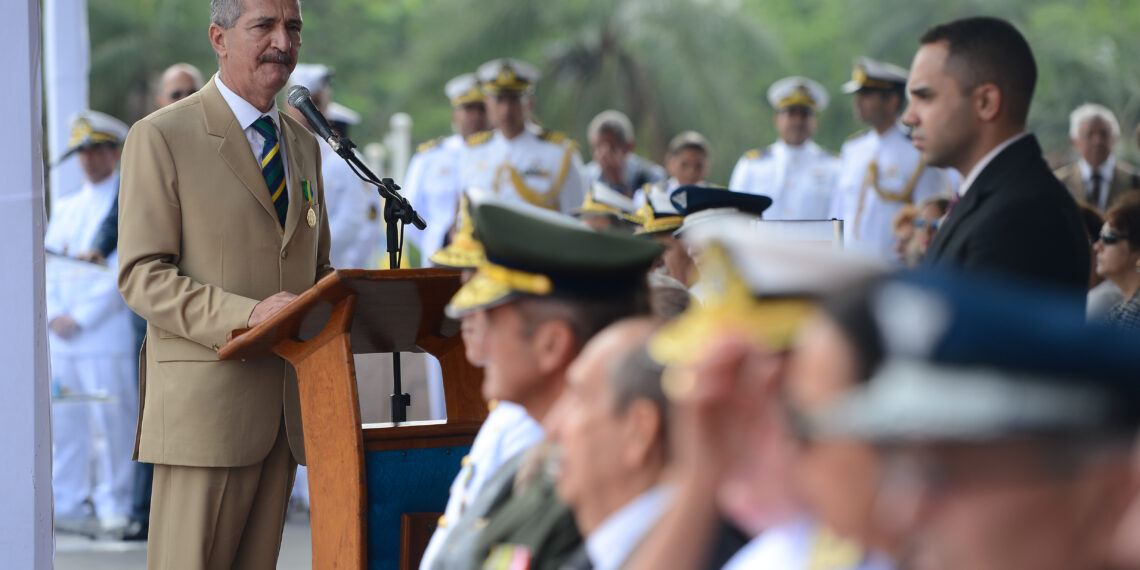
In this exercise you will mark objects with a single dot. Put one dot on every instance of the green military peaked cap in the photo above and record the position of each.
(538, 252)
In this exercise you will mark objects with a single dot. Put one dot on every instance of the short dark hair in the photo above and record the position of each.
(990, 50)
(586, 316)
(1124, 216)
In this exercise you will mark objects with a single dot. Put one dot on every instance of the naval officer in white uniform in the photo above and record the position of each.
(91, 342)
(880, 170)
(432, 184)
(514, 162)
(798, 174)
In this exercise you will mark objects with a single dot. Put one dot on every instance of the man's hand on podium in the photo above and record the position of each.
(267, 308)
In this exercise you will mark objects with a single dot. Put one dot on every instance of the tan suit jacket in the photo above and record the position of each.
(1123, 180)
(199, 247)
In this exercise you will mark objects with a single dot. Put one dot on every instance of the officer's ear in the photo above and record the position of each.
(987, 100)
(555, 345)
(218, 40)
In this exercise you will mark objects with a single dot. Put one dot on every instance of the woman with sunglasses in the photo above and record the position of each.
(1117, 254)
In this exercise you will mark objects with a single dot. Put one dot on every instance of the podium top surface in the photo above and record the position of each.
(397, 310)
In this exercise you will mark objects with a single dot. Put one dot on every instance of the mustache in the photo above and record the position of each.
(276, 56)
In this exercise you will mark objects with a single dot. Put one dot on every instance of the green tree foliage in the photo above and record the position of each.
(672, 65)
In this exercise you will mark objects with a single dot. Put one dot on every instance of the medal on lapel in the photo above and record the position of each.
(311, 216)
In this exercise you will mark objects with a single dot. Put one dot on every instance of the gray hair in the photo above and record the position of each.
(634, 375)
(1089, 112)
(614, 122)
(188, 69)
(225, 13)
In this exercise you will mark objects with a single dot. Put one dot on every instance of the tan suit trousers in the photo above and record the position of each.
(221, 518)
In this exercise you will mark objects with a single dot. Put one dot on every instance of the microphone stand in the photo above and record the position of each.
(397, 211)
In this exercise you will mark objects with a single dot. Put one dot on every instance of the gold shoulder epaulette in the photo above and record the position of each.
(756, 153)
(554, 136)
(426, 146)
(479, 138)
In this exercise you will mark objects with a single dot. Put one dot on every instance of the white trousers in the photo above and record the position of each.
(92, 442)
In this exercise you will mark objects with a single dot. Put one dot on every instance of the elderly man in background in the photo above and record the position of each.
(179, 81)
(615, 164)
(544, 298)
(1096, 178)
(610, 427)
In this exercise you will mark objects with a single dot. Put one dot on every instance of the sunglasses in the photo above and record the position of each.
(176, 95)
(1110, 238)
(921, 223)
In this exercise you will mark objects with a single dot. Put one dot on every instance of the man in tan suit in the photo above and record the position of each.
(222, 223)
(1097, 178)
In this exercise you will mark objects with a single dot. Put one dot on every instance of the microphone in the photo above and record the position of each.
(300, 100)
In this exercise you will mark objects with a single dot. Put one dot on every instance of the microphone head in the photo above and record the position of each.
(297, 94)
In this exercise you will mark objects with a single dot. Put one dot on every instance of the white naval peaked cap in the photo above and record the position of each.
(338, 113)
(463, 90)
(601, 199)
(311, 76)
(873, 74)
(797, 91)
(91, 128)
(507, 76)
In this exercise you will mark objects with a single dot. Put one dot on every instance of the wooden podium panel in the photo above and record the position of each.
(359, 312)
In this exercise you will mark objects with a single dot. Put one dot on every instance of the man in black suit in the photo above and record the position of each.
(971, 84)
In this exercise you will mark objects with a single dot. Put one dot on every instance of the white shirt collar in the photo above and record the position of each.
(981, 165)
(109, 184)
(245, 112)
(612, 542)
(526, 134)
(782, 147)
(896, 130)
(1105, 169)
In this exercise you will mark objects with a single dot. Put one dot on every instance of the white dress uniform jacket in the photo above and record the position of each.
(800, 180)
(542, 169)
(96, 361)
(354, 213)
(867, 201)
(432, 187)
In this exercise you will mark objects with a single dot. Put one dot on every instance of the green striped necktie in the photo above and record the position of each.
(272, 168)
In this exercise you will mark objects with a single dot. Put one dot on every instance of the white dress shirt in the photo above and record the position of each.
(1106, 170)
(432, 186)
(615, 538)
(246, 114)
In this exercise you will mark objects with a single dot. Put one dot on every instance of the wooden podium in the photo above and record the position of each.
(350, 312)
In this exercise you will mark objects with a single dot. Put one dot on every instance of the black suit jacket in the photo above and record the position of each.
(1017, 220)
